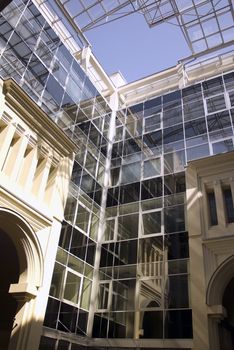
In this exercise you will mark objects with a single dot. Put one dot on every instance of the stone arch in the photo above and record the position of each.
(219, 327)
(219, 281)
(28, 250)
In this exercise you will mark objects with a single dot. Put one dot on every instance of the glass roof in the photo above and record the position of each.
(205, 24)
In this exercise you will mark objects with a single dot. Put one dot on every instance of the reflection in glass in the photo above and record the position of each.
(151, 223)
(127, 226)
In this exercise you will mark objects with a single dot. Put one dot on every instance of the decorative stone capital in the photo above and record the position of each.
(23, 292)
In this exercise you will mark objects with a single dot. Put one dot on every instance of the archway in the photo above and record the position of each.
(219, 296)
(226, 326)
(21, 272)
(9, 274)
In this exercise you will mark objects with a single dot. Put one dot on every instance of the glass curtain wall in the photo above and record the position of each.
(144, 266)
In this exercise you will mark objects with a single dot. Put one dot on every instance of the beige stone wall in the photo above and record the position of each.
(36, 160)
(210, 246)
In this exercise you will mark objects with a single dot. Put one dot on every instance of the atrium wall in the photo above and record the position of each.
(122, 276)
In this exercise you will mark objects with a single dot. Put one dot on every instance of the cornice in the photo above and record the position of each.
(36, 118)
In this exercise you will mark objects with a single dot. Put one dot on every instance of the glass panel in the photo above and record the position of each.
(228, 200)
(75, 264)
(82, 218)
(103, 295)
(174, 219)
(178, 324)
(153, 122)
(212, 208)
(152, 167)
(57, 280)
(151, 223)
(72, 287)
(178, 292)
(131, 173)
(222, 146)
(128, 226)
(123, 295)
(85, 294)
(218, 121)
(152, 324)
(198, 152)
(215, 103)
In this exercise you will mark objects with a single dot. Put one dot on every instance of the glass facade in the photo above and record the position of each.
(122, 265)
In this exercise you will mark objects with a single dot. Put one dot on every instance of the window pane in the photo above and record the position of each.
(72, 287)
(128, 226)
(228, 200)
(151, 223)
(152, 167)
(212, 208)
(57, 280)
(215, 103)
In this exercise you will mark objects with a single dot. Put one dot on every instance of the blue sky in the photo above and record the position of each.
(128, 45)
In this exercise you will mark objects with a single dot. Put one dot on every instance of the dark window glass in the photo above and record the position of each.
(47, 343)
(174, 184)
(212, 208)
(152, 106)
(172, 116)
(228, 200)
(99, 327)
(192, 92)
(231, 96)
(95, 136)
(63, 345)
(78, 244)
(88, 184)
(178, 324)
(213, 86)
(80, 347)
(82, 323)
(117, 149)
(67, 318)
(107, 255)
(125, 252)
(153, 139)
(216, 103)
(112, 197)
(177, 245)
(193, 110)
(76, 173)
(178, 294)
(173, 134)
(152, 324)
(54, 89)
(128, 226)
(116, 329)
(51, 313)
(151, 222)
(195, 127)
(130, 193)
(172, 100)
(232, 115)
(130, 146)
(218, 121)
(65, 236)
(91, 250)
(229, 81)
(151, 188)
(174, 219)
(136, 109)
